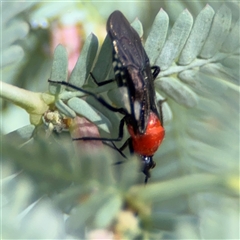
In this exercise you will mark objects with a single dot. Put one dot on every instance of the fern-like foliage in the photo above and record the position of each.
(12, 31)
(192, 192)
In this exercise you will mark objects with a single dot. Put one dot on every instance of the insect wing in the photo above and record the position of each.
(126, 41)
(132, 64)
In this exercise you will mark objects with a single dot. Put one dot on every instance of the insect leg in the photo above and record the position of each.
(101, 83)
(146, 179)
(99, 99)
(126, 144)
(130, 145)
(113, 146)
(160, 102)
(119, 138)
(156, 71)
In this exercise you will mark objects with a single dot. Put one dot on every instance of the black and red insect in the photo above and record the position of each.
(132, 70)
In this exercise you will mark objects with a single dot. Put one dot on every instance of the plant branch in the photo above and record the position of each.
(34, 103)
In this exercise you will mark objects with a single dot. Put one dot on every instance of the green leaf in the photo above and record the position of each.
(23, 209)
(166, 109)
(175, 42)
(14, 31)
(51, 10)
(177, 91)
(137, 25)
(59, 69)
(21, 135)
(218, 33)
(119, 96)
(106, 214)
(215, 78)
(171, 189)
(12, 54)
(104, 61)
(232, 42)
(130, 172)
(157, 36)
(197, 36)
(85, 211)
(63, 108)
(82, 108)
(11, 9)
(201, 81)
(112, 118)
(85, 61)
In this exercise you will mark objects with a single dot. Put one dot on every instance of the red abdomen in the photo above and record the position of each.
(147, 144)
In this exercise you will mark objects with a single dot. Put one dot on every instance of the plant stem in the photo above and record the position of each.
(34, 103)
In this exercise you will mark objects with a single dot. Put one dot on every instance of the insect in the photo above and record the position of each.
(133, 71)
